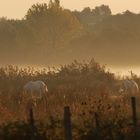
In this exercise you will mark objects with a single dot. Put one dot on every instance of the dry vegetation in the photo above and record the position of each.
(85, 87)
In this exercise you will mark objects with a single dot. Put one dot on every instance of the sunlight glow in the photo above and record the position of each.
(18, 9)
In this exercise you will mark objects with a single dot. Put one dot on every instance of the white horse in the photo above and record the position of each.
(129, 87)
(35, 90)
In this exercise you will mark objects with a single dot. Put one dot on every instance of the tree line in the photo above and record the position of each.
(49, 33)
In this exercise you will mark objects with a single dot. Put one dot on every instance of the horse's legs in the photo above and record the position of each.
(45, 104)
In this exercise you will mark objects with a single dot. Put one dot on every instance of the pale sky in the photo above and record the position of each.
(18, 8)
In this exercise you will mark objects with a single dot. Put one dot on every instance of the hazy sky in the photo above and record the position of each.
(18, 8)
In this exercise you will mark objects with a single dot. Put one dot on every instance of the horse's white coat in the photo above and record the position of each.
(35, 90)
(129, 86)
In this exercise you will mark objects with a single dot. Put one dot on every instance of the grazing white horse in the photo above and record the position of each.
(129, 86)
(35, 90)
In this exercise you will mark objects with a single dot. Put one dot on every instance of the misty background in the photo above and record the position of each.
(49, 34)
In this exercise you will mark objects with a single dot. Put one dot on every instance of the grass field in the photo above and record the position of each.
(87, 88)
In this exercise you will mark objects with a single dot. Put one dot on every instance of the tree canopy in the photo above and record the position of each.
(49, 32)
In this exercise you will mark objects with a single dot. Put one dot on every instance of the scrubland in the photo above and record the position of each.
(86, 87)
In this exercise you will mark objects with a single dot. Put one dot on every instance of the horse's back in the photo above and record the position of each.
(36, 86)
(130, 86)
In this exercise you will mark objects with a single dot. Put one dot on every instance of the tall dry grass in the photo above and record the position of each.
(85, 87)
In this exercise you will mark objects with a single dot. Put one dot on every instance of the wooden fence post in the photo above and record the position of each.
(67, 124)
(134, 117)
(97, 126)
(31, 124)
(31, 117)
(134, 114)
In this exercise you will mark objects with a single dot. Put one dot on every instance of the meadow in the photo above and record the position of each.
(86, 87)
